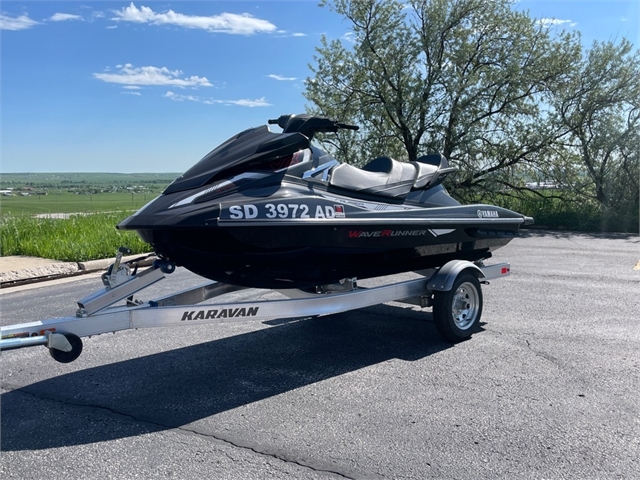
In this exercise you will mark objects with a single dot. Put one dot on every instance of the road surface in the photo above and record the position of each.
(548, 388)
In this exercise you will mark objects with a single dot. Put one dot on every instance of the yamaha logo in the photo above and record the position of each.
(488, 214)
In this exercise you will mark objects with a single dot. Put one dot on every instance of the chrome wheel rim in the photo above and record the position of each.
(465, 306)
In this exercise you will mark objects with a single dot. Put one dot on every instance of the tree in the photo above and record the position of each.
(468, 78)
(600, 107)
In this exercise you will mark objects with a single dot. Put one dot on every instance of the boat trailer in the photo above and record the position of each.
(453, 291)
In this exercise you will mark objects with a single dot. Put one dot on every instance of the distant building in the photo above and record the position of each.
(541, 185)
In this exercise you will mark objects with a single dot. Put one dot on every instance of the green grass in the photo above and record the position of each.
(63, 202)
(108, 198)
(79, 238)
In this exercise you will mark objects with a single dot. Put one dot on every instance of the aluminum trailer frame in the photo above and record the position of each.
(97, 314)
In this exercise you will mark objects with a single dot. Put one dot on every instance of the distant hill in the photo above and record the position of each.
(71, 192)
(62, 179)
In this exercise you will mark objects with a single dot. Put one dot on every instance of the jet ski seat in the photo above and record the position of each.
(382, 176)
(386, 177)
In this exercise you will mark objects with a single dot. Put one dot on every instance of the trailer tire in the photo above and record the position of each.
(67, 357)
(457, 312)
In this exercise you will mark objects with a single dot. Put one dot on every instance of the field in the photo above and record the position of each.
(62, 202)
(63, 180)
(35, 193)
(100, 200)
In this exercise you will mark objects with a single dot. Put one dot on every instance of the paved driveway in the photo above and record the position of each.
(548, 389)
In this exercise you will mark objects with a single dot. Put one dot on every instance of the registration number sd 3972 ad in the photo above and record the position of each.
(285, 210)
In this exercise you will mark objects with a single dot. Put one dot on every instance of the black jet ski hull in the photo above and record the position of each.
(307, 256)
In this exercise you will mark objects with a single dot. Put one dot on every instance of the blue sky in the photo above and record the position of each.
(152, 86)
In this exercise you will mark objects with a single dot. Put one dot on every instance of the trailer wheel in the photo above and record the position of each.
(457, 312)
(67, 357)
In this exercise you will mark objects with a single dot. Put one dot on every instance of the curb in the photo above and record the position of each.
(61, 270)
(103, 263)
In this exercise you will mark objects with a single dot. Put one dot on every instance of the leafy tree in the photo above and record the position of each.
(600, 106)
(471, 79)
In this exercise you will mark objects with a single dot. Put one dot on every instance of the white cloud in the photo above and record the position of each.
(181, 98)
(111, 27)
(130, 75)
(287, 34)
(131, 93)
(548, 22)
(132, 87)
(243, 24)
(19, 23)
(280, 77)
(259, 102)
(61, 17)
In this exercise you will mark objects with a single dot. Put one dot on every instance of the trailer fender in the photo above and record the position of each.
(443, 280)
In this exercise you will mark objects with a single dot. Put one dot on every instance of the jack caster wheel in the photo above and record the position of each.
(66, 357)
(457, 312)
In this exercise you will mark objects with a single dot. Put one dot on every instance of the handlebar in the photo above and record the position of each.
(309, 125)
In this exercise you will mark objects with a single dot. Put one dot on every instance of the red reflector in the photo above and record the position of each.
(505, 270)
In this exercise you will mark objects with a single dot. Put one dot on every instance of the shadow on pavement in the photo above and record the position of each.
(174, 388)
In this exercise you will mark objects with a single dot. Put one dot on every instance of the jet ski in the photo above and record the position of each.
(271, 210)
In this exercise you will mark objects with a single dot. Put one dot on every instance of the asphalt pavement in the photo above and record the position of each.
(547, 389)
